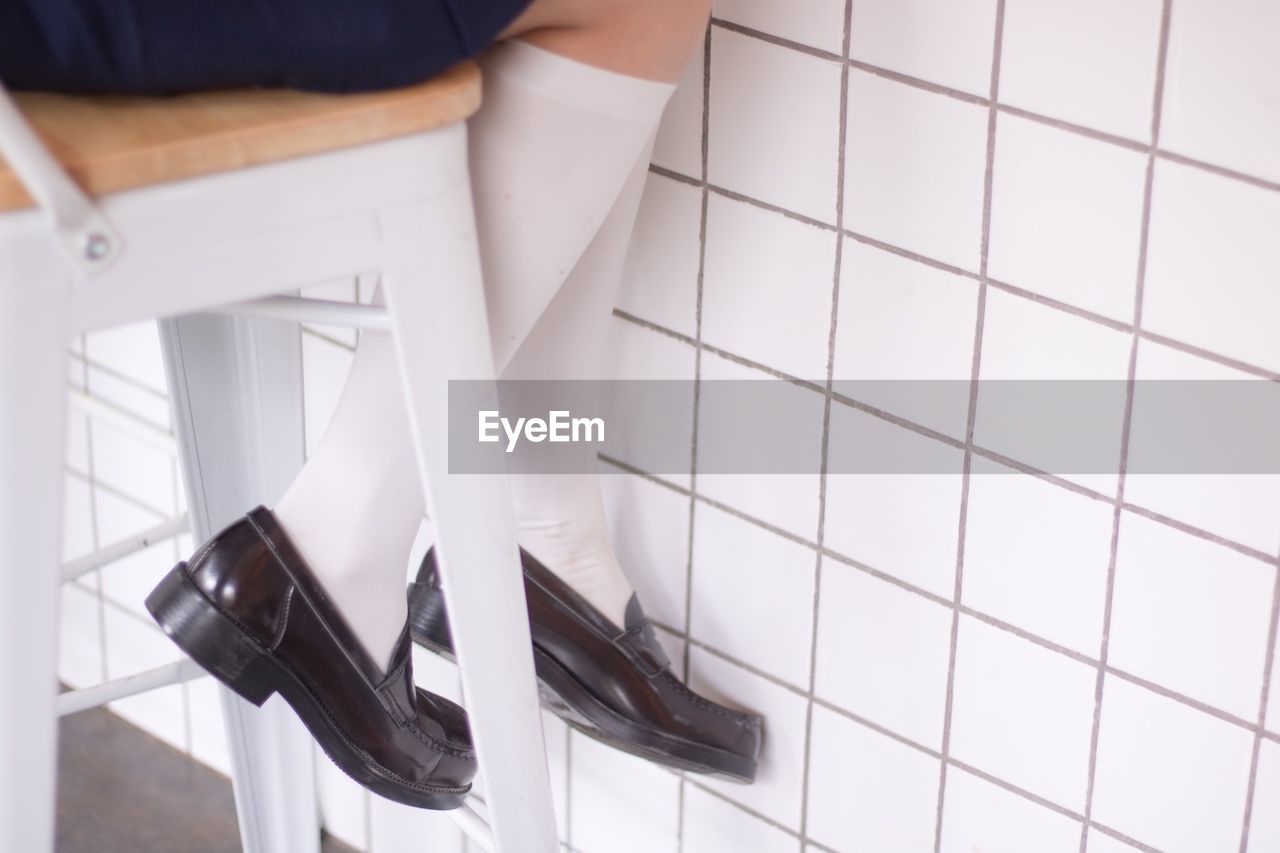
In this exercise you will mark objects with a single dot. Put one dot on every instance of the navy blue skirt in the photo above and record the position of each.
(165, 46)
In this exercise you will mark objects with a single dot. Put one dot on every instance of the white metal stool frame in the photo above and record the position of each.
(401, 207)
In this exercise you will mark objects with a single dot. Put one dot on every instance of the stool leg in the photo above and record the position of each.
(236, 389)
(33, 396)
(436, 301)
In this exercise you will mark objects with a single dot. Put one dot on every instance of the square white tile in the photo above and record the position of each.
(1273, 702)
(395, 827)
(904, 338)
(749, 421)
(766, 290)
(1264, 823)
(980, 816)
(77, 517)
(161, 713)
(344, 805)
(556, 734)
(1222, 89)
(1091, 62)
(77, 458)
(914, 169)
(660, 279)
(649, 530)
(1097, 841)
(883, 653)
(1190, 615)
(711, 823)
(640, 353)
(128, 582)
(774, 124)
(776, 792)
(208, 726)
(138, 468)
(1241, 507)
(133, 646)
(132, 351)
(80, 652)
(1066, 212)
(745, 577)
(678, 146)
(1036, 556)
(1169, 776)
(1212, 263)
(819, 23)
(133, 397)
(948, 42)
(1032, 405)
(621, 804)
(1022, 713)
(868, 791)
(906, 525)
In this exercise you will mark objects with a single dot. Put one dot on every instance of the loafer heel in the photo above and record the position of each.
(428, 619)
(210, 638)
(250, 611)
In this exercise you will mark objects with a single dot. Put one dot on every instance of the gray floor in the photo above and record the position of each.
(122, 791)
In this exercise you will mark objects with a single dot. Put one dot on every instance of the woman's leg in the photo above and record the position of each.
(558, 153)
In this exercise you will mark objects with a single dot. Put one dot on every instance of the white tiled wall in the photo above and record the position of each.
(992, 659)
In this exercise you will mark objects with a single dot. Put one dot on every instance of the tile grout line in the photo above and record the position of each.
(1220, 171)
(568, 786)
(996, 781)
(1268, 665)
(1019, 112)
(123, 378)
(825, 440)
(697, 381)
(1126, 426)
(905, 741)
(992, 621)
(998, 624)
(95, 534)
(175, 495)
(117, 493)
(1047, 301)
(978, 450)
(988, 182)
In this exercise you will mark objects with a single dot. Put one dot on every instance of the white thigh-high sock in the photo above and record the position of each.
(553, 148)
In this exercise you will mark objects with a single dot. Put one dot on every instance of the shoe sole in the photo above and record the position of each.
(234, 657)
(562, 693)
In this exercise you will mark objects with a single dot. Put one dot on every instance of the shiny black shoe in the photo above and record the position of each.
(613, 684)
(247, 609)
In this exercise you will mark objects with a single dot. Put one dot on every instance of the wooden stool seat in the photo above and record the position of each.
(112, 143)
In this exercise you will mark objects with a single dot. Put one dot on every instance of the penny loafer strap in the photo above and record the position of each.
(640, 644)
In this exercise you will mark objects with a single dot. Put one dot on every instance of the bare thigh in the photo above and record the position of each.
(644, 38)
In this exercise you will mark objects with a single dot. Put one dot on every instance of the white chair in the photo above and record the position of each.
(135, 208)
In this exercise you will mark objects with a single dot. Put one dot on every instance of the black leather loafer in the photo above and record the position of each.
(247, 609)
(614, 684)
